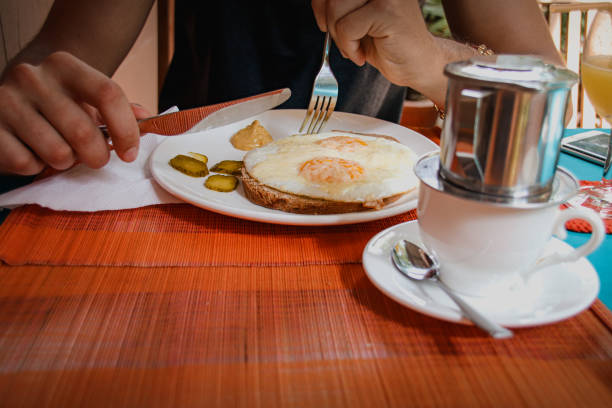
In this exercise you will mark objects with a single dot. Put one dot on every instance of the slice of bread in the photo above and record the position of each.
(269, 197)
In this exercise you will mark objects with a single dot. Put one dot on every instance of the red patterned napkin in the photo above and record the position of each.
(580, 225)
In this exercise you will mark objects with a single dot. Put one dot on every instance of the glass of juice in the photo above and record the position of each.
(596, 75)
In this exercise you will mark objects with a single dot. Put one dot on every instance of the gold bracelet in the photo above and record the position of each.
(482, 49)
(441, 113)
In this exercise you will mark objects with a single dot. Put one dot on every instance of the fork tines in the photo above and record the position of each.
(323, 97)
(319, 109)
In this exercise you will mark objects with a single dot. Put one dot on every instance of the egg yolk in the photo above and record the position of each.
(342, 143)
(331, 170)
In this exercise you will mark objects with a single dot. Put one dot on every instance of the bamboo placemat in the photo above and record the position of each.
(175, 235)
(177, 306)
(311, 335)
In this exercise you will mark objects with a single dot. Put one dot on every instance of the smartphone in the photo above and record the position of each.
(592, 145)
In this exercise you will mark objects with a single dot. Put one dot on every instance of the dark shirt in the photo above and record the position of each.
(230, 49)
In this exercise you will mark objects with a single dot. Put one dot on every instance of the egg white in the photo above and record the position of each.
(388, 167)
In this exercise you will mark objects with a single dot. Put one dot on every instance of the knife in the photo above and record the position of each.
(209, 117)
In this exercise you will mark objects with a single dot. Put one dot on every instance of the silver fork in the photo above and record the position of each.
(324, 95)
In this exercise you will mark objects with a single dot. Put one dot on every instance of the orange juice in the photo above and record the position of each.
(597, 80)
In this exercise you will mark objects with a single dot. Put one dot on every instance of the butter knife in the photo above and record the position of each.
(209, 117)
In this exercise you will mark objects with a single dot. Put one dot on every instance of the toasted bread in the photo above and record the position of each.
(269, 197)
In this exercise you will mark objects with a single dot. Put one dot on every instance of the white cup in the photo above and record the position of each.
(485, 247)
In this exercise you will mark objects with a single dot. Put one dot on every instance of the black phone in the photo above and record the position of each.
(592, 145)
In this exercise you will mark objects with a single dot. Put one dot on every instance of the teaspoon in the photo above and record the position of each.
(418, 265)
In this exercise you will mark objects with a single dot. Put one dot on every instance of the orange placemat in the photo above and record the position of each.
(322, 335)
(175, 235)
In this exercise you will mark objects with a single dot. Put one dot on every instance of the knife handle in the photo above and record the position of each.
(170, 124)
(104, 128)
(176, 123)
(146, 125)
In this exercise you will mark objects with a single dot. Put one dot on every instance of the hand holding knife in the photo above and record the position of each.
(209, 117)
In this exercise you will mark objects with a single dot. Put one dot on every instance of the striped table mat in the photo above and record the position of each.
(179, 235)
(175, 235)
(322, 335)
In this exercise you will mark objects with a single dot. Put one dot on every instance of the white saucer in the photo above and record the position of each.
(552, 294)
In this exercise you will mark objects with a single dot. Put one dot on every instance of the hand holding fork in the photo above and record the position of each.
(324, 95)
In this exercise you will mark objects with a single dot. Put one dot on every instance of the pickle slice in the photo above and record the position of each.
(228, 167)
(222, 183)
(199, 156)
(189, 165)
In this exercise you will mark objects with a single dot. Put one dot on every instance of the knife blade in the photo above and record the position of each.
(209, 117)
(238, 111)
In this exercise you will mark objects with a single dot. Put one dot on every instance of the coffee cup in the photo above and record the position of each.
(485, 246)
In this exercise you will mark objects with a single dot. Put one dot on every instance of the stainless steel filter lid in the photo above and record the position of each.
(514, 70)
(564, 186)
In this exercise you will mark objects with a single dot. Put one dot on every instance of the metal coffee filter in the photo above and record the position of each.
(504, 124)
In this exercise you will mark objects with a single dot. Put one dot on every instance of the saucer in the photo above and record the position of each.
(552, 294)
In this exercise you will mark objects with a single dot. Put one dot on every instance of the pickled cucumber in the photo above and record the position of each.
(199, 156)
(222, 183)
(189, 165)
(228, 167)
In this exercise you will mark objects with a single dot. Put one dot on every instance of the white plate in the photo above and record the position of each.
(552, 294)
(280, 123)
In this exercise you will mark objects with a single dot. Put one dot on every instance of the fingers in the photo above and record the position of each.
(28, 139)
(49, 116)
(16, 158)
(43, 140)
(352, 30)
(376, 31)
(96, 89)
(140, 112)
(329, 13)
(319, 9)
(57, 128)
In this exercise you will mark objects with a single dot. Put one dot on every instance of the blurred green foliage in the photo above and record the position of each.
(433, 13)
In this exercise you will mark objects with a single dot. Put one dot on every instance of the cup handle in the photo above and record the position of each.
(597, 236)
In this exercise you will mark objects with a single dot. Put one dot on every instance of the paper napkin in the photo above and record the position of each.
(118, 185)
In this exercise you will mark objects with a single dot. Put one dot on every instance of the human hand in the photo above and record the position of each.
(49, 113)
(388, 34)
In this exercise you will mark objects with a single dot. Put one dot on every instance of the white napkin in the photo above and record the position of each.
(118, 185)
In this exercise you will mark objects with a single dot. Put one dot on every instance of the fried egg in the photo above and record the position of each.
(335, 166)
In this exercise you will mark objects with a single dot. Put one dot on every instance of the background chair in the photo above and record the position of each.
(569, 22)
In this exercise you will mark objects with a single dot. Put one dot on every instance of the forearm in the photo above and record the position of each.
(432, 82)
(493, 23)
(510, 27)
(100, 33)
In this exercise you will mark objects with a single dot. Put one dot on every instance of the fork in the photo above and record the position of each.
(324, 95)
